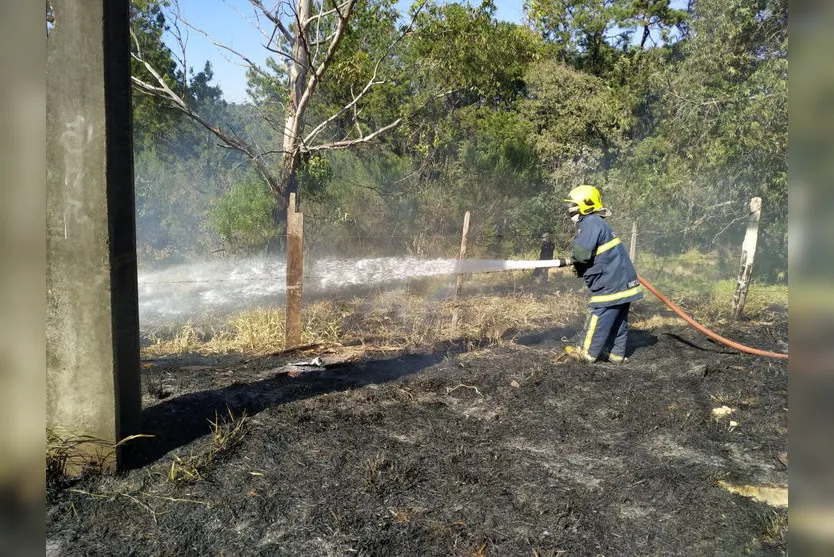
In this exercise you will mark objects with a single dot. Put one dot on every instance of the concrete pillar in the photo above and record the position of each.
(92, 333)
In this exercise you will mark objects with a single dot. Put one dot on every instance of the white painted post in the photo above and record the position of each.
(748, 252)
(632, 248)
(463, 238)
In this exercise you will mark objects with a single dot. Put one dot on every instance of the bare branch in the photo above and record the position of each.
(356, 117)
(162, 90)
(282, 53)
(163, 87)
(182, 58)
(319, 42)
(248, 62)
(351, 142)
(348, 106)
(136, 43)
(257, 20)
(729, 224)
(371, 82)
(273, 18)
(316, 75)
(272, 152)
(147, 88)
(334, 10)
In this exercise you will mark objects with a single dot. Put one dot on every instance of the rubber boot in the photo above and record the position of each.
(578, 354)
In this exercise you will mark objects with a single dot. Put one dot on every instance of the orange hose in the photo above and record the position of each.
(706, 331)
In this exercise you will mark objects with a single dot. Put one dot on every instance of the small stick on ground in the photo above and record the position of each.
(177, 500)
(450, 391)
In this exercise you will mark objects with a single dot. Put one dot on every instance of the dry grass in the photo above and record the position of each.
(775, 527)
(69, 455)
(712, 305)
(226, 433)
(655, 321)
(393, 320)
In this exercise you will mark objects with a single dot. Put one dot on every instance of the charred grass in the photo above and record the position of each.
(493, 451)
(462, 435)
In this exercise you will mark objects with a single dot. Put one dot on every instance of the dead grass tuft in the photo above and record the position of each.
(385, 474)
(69, 455)
(775, 528)
(226, 433)
(725, 398)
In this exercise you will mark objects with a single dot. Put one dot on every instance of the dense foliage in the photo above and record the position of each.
(678, 115)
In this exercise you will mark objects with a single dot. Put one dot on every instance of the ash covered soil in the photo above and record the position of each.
(491, 450)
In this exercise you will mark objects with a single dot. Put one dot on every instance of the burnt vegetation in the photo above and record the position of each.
(500, 450)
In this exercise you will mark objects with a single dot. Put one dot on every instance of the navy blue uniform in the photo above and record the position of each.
(601, 259)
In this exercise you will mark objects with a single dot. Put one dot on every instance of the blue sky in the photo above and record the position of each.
(231, 22)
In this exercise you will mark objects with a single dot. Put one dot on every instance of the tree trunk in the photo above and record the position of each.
(294, 118)
(293, 123)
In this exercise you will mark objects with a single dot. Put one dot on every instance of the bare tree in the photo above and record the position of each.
(307, 42)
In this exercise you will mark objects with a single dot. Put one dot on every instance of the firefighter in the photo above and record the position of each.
(601, 259)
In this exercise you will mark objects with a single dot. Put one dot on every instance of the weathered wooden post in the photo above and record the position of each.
(748, 252)
(295, 274)
(463, 238)
(632, 248)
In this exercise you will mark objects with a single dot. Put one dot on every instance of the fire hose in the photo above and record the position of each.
(712, 335)
(480, 266)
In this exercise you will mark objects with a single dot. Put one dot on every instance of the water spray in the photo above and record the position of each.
(173, 293)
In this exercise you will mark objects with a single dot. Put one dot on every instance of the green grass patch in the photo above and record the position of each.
(703, 284)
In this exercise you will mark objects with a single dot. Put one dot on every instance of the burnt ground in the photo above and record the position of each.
(493, 451)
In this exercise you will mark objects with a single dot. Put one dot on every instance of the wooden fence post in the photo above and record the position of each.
(462, 250)
(632, 248)
(295, 274)
(748, 251)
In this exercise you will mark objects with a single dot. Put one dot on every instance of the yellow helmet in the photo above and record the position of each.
(586, 198)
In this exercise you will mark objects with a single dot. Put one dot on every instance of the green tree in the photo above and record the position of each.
(242, 217)
(305, 47)
(593, 34)
(151, 117)
(578, 121)
(720, 128)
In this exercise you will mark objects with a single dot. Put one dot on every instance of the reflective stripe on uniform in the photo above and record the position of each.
(616, 296)
(607, 246)
(615, 358)
(589, 336)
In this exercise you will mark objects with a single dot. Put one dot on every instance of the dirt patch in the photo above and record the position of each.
(453, 451)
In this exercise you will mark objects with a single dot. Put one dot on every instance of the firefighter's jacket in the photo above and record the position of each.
(602, 260)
